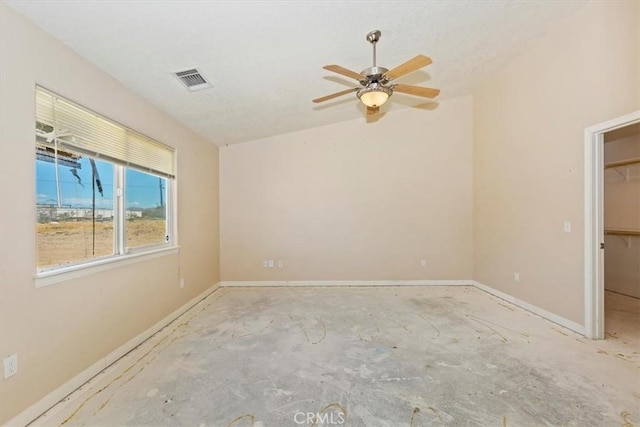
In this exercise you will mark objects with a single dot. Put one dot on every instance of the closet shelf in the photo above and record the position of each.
(621, 232)
(622, 163)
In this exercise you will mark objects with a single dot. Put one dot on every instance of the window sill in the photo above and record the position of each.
(62, 274)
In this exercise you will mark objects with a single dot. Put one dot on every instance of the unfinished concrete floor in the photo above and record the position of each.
(392, 356)
(622, 318)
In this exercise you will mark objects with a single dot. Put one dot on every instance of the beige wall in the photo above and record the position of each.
(529, 123)
(622, 211)
(349, 201)
(59, 330)
(353, 200)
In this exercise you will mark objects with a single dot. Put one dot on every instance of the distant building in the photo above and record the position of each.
(48, 213)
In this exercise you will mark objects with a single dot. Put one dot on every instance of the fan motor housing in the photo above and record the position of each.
(375, 75)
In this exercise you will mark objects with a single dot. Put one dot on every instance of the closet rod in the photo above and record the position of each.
(621, 232)
(622, 163)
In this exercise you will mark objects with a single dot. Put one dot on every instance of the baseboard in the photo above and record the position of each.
(569, 324)
(40, 407)
(303, 283)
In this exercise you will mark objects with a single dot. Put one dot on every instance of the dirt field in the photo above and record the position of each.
(65, 242)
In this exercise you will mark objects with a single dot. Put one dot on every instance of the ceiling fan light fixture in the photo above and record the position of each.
(374, 95)
(378, 83)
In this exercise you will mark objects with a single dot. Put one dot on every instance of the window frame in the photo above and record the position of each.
(121, 253)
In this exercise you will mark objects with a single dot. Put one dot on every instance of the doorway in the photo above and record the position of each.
(594, 221)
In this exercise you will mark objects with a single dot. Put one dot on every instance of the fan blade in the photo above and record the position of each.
(411, 65)
(372, 110)
(51, 135)
(426, 92)
(345, 72)
(335, 95)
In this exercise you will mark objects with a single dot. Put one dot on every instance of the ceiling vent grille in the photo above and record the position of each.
(192, 79)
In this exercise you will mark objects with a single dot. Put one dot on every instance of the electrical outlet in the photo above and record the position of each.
(280, 263)
(271, 263)
(265, 264)
(181, 282)
(10, 365)
(567, 226)
(423, 263)
(516, 277)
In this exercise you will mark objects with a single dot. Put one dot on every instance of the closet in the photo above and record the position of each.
(622, 230)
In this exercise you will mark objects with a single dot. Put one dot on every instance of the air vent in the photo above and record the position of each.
(192, 79)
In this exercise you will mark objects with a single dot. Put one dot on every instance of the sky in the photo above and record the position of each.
(142, 190)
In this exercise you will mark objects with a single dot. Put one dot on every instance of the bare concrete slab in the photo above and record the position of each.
(622, 318)
(393, 356)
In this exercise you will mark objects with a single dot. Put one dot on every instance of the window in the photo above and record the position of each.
(75, 212)
(145, 200)
(103, 190)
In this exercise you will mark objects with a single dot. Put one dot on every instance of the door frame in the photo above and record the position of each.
(594, 221)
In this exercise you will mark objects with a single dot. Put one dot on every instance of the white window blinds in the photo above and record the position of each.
(62, 124)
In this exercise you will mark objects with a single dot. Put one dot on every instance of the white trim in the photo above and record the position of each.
(120, 220)
(593, 234)
(46, 278)
(593, 222)
(302, 283)
(569, 324)
(40, 407)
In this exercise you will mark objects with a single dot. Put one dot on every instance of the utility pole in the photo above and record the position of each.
(161, 199)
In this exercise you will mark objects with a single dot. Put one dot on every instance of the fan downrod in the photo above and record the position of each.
(374, 74)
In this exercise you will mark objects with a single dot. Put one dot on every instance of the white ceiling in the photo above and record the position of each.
(264, 58)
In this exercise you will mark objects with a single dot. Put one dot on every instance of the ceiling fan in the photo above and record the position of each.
(376, 81)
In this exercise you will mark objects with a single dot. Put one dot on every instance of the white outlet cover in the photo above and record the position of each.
(265, 264)
(280, 264)
(10, 365)
(423, 263)
(271, 263)
(516, 277)
(567, 226)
